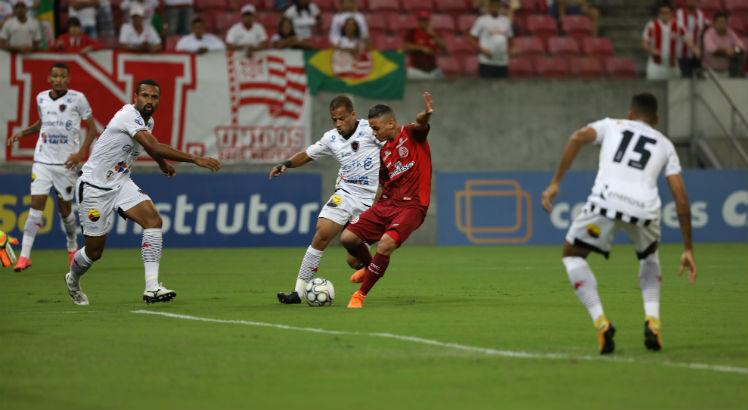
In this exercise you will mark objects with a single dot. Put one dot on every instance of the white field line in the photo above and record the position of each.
(455, 346)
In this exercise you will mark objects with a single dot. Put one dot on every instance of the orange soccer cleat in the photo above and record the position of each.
(23, 263)
(357, 300)
(71, 254)
(358, 276)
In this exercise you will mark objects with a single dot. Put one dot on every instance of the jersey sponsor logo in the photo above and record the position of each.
(362, 180)
(335, 201)
(593, 230)
(403, 152)
(138, 121)
(120, 167)
(68, 125)
(54, 138)
(368, 163)
(400, 168)
(93, 214)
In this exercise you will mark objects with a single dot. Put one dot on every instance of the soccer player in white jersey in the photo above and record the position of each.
(57, 154)
(624, 197)
(355, 147)
(105, 189)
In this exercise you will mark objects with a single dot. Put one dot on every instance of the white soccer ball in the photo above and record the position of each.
(320, 292)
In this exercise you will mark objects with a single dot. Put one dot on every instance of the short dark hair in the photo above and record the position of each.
(146, 82)
(379, 110)
(645, 104)
(345, 23)
(74, 22)
(60, 65)
(197, 19)
(720, 14)
(660, 5)
(341, 101)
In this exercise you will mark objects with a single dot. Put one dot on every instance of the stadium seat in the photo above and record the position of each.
(620, 67)
(458, 45)
(577, 26)
(222, 21)
(465, 22)
(597, 46)
(327, 5)
(384, 5)
(201, 5)
(443, 23)
(387, 42)
(450, 66)
(542, 26)
(529, 46)
(171, 43)
(401, 23)
(533, 6)
(452, 6)
(378, 23)
(739, 23)
(551, 67)
(269, 20)
(585, 67)
(709, 7)
(563, 46)
(521, 67)
(412, 6)
(736, 6)
(326, 21)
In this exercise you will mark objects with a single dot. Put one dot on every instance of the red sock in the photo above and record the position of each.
(361, 252)
(374, 272)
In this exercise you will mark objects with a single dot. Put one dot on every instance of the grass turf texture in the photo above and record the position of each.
(57, 355)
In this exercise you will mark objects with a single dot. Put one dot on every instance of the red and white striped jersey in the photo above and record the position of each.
(694, 24)
(662, 37)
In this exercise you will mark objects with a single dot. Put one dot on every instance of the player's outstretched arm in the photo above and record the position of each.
(33, 129)
(423, 117)
(298, 159)
(682, 207)
(161, 152)
(91, 132)
(580, 137)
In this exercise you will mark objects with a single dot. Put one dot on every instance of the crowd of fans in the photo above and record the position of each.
(679, 41)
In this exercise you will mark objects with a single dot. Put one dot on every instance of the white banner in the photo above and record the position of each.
(254, 110)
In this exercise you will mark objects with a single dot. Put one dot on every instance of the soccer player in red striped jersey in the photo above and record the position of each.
(405, 181)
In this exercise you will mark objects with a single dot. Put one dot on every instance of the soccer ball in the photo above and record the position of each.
(319, 292)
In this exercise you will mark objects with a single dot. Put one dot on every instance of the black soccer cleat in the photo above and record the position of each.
(652, 335)
(292, 298)
(605, 339)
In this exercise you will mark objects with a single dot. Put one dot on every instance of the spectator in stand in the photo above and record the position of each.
(347, 10)
(724, 51)
(75, 40)
(560, 8)
(178, 16)
(692, 19)
(491, 34)
(350, 38)
(481, 7)
(247, 35)
(306, 18)
(20, 33)
(199, 42)
(286, 36)
(85, 11)
(138, 35)
(659, 41)
(6, 10)
(422, 44)
(149, 7)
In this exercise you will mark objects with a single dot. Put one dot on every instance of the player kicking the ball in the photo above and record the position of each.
(405, 175)
(105, 188)
(57, 154)
(354, 146)
(624, 197)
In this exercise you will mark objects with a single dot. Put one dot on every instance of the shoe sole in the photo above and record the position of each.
(159, 299)
(609, 345)
(22, 269)
(651, 340)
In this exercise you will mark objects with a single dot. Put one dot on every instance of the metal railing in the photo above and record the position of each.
(735, 113)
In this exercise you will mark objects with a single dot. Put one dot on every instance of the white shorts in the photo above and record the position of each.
(596, 232)
(44, 177)
(97, 207)
(343, 206)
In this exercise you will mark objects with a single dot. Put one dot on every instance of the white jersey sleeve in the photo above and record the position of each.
(672, 167)
(601, 128)
(320, 148)
(83, 107)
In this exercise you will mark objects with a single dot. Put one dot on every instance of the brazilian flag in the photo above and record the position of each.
(45, 13)
(375, 74)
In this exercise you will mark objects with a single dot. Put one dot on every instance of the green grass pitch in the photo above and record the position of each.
(55, 355)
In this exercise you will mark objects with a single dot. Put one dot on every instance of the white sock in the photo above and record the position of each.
(70, 227)
(308, 268)
(81, 264)
(650, 282)
(151, 252)
(585, 285)
(34, 221)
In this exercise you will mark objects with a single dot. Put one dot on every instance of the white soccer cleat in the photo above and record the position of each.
(160, 294)
(75, 292)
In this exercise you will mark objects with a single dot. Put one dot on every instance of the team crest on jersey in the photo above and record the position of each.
(94, 215)
(593, 230)
(354, 145)
(138, 121)
(63, 107)
(403, 151)
(335, 201)
(121, 167)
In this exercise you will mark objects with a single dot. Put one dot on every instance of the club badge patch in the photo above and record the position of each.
(593, 230)
(63, 107)
(93, 215)
(354, 146)
(403, 152)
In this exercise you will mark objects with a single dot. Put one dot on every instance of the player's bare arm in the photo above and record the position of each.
(298, 159)
(423, 117)
(579, 138)
(75, 159)
(32, 129)
(683, 210)
(161, 152)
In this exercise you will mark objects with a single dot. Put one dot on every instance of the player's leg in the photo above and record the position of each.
(41, 183)
(64, 183)
(367, 228)
(327, 230)
(645, 239)
(589, 232)
(81, 262)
